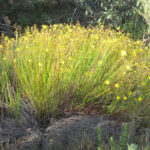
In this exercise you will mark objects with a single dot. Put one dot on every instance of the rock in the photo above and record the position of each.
(21, 133)
(145, 136)
(29, 142)
(79, 133)
(74, 132)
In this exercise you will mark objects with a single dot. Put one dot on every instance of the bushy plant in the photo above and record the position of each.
(115, 13)
(65, 66)
(145, 11)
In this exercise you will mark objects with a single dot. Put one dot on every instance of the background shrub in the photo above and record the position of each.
(116, 14)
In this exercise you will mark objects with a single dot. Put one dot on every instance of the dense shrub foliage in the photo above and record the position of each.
(145, 12)
(122, 14)
(65, 66)
(116, 13)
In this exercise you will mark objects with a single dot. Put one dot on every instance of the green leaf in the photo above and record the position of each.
(108, 16)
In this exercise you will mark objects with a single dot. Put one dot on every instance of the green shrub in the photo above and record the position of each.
(145, 11)
(115, 13)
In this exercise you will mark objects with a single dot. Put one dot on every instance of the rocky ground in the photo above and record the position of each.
(73, 131)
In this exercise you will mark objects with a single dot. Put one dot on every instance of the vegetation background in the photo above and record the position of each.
(113, 13)
(100, 62)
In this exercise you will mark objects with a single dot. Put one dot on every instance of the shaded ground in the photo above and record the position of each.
(75, 132)
(25, 128)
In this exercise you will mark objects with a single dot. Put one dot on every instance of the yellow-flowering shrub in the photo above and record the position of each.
(66, 66)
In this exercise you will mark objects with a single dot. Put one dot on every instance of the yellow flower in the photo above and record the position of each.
(4, 58)
(124, 73)
(118, 28)
(29, 60)
(138, 42)
(125, 98)
(44, 26)
(143, 83)
(18, 49)
(107, 82)
(47, 50)
(40, 64)
(136, 64)
(6, 38)
(140, 50)
(99, 62)
(134, 53)
(62, 62)
(149, 77)
(70, 30)
(118, 97)
(140, 99)
(146, 48)
(116, 85)
(129, 93)
(128, 67)
(123, 53)
(14, 60)
(70, 58)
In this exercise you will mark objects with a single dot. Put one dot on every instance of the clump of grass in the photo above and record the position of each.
(67, 66)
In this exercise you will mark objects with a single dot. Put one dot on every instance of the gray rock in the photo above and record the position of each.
(74, 132)
(79, 133)
(29, 142)
(21, 134)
